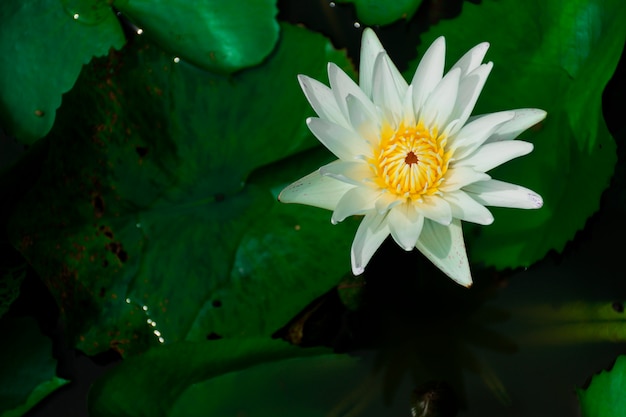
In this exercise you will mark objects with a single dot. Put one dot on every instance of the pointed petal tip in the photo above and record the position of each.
(439, 42)
(357, 270)
(465, 280)
(536, 200)
(368, 31)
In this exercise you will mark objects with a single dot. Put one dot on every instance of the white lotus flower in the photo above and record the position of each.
(411, 160)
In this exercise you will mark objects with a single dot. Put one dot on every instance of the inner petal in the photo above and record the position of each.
(410, 161)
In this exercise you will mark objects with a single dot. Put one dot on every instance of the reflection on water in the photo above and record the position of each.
(513, 343)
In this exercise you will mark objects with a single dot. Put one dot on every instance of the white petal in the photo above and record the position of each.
(472, 58)
(370, 49)
(405, 225)
(364, 119)
(458, 177)
(494, 154)
(524, 118)
(408, 112)
(386, 93)
(322, 100)
(470, 87)
(352, 172)
(358, 200)
(344, 143)
(371, 233)
(386, 201)
(429, 72)
(444, 246)
(434, 208)
(504, 194)
(476, 132)
(343, 86)
(398, 80)
(315, 190)
(439, 105)
(466, 208)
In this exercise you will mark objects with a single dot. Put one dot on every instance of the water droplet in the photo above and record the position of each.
(158, 333)
(138, 225)
(153, 324)
(176, 60)
(331, 4)
(139, 31)
(161, 340)
(149, 321)
(357, 25)
(128, 301)
(76, 16)
(145, 308)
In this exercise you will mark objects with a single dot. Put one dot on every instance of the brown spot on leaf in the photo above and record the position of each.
(213, 336)
(117, 249)
(98, 205)
(141, 151)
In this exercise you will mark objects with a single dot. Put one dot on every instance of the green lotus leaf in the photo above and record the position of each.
(143, 222)
(221, 377)
(557, 57)
(605, 395)
(39, 393)
(27, 364)
(43, 46)
(220, 36)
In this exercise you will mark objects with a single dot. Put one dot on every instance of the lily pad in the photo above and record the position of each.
(222, 377)
(43, 47)
(38, 394)
(557, 57)
(26, 363)
(143, 207)
(220, 36)
(605, 395)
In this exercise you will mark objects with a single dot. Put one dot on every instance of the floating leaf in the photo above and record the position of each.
(43, 46)
(142, 224)
(605, 395)
(557, 57)
(26, 364)
(38, 394)
(221, 36)
(221, 377)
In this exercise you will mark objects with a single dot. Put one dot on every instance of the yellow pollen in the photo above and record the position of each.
(410, 161)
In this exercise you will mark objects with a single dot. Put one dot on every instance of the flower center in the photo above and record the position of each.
(410, 161)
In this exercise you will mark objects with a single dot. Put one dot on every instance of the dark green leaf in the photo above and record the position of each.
(38, 394)
(202, 378)
(43, 46)
(221, 36)
(605, 395)
(26, 363)
(143, 226)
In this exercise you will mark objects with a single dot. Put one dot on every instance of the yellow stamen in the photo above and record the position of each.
(410, 161)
